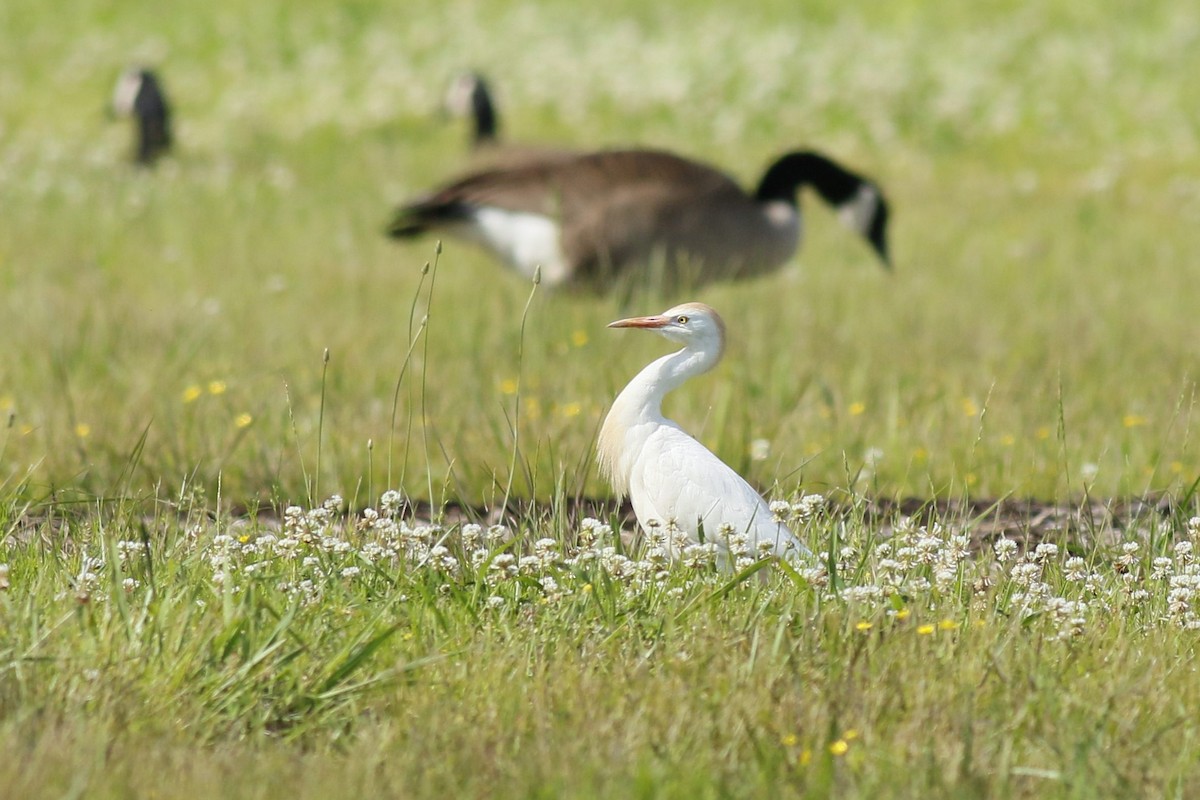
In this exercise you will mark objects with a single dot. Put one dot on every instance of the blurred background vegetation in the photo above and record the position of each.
(166, 327)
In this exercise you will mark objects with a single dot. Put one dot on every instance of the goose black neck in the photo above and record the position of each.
(486, 122)
(153, 115)
(794, 170)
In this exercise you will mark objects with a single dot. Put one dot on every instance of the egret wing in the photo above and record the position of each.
(675, 478)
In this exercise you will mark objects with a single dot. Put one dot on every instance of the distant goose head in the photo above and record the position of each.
(589, 218)
(139, 94)
(469, 96)
(858, 200)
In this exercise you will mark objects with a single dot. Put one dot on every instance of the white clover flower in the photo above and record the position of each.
(1075, 569)
(1183, 552)
(319, 518)
(470, 535)
(286, 547)
(1045, 550)
(351, 572)
(1161, 568)
(371, 552)
(780, 509)
(807, 507)
(1179, 600)
(944, 579)
(738, 543)
(390, 503)
(130, 584)
(889, 565)
(495, 601)
(333, 504)
(1025, 572)
(1193, 527)
(816, 576)
(699, 556)
(593, 531)
(919, 584)
(504, 565)
(497, 534)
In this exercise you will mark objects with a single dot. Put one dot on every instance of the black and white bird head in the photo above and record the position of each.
(469, 96)
(139, 94)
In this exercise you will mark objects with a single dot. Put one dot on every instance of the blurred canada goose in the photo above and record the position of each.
(589, 217)
(139, 94)
(469, 96)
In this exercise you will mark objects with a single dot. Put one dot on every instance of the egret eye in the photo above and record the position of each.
(681, 319)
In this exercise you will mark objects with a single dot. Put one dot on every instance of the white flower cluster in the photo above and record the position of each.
(324, 554)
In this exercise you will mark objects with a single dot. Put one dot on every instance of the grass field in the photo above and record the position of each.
(167, 394)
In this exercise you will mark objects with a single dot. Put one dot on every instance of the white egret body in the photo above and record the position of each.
(674, 482)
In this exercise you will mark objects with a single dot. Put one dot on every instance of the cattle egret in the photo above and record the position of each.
(677, 486)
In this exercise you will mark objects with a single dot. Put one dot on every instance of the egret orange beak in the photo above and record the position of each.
(658, 321)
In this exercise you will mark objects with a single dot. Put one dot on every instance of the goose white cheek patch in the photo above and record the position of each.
(858, 212)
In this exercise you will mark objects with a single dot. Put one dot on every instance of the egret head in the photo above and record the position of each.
(693, 325)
